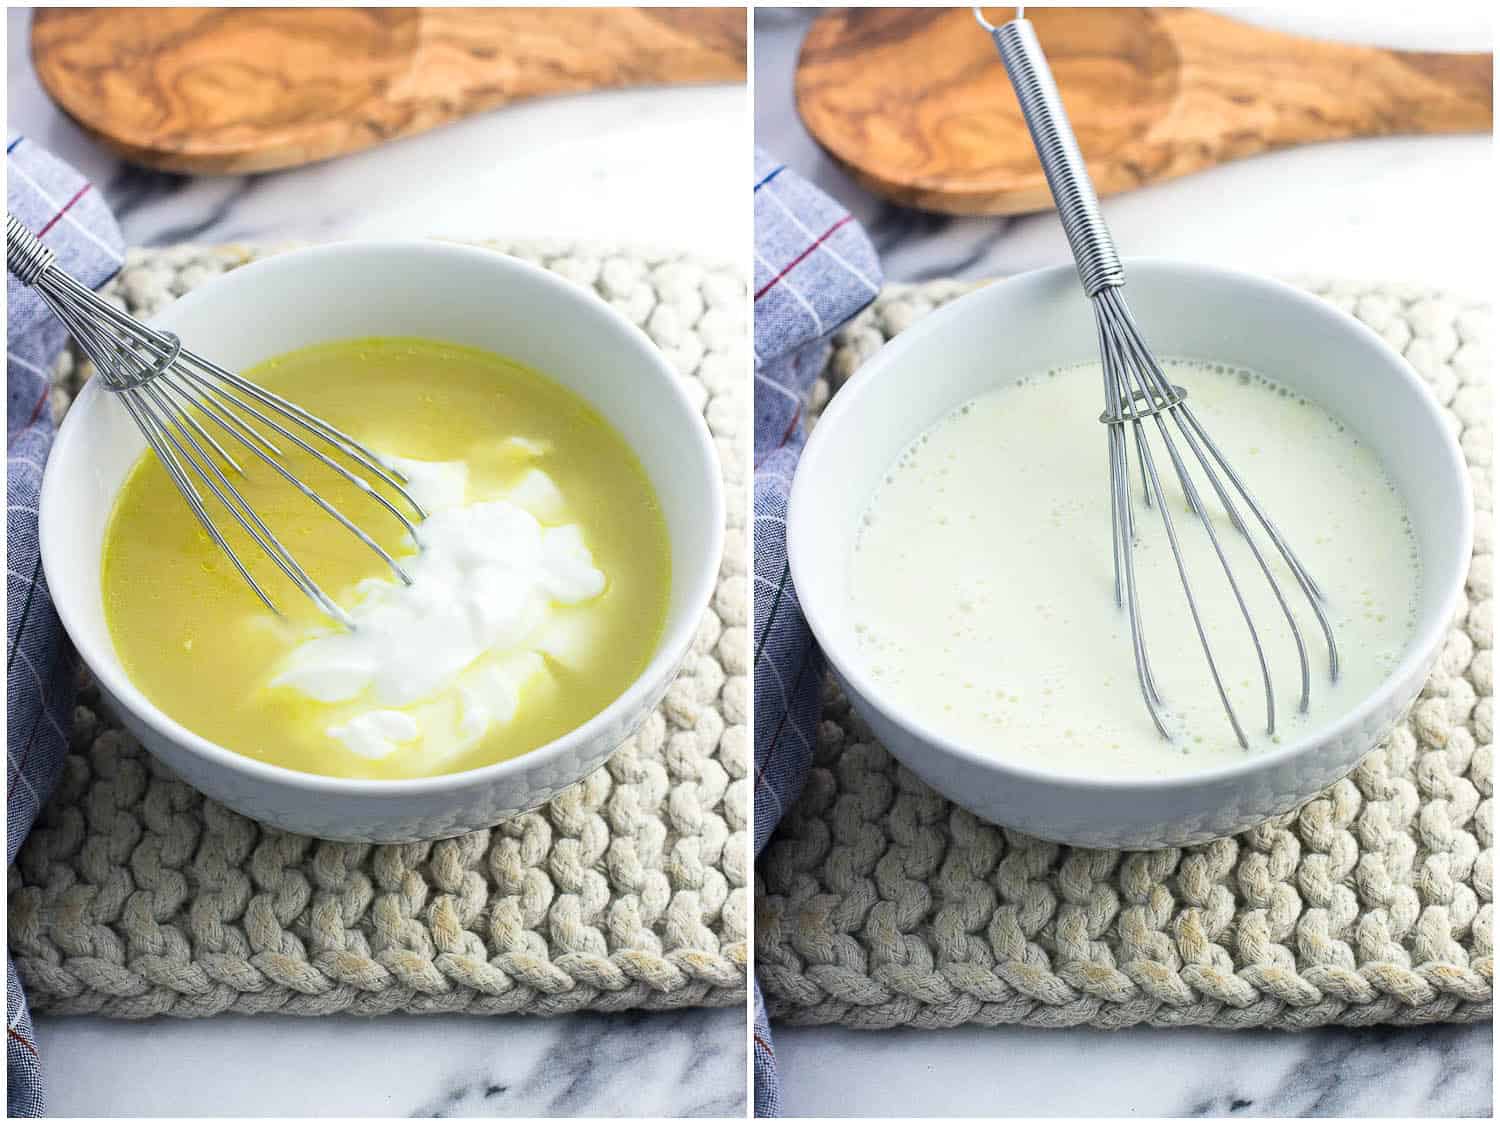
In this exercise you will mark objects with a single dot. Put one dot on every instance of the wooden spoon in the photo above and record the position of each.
(917, 105)
(232, 90)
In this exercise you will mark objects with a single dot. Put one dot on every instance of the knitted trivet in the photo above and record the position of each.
(136, 896)
(879, 903)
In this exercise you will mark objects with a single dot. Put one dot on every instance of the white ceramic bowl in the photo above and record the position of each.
(459, 294)
(1042, 320)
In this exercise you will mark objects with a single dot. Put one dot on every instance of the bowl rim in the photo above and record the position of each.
(843, 410)
(671, 648)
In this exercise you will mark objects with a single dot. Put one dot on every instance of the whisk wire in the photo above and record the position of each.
(1181, 416)
(179, 396)
(358, 482)
(1129, 336)
(170, 393)
(238, 507)
(1116, 363)
(239, 429)
(1194, 433)
(331, 435)
(1123, 536)
(1135, 389)
(150, 430)
(1310, 588)
(208, 399)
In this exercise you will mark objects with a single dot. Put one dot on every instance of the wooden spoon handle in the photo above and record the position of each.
(1281, 89)
(915, 104)
(234, 90)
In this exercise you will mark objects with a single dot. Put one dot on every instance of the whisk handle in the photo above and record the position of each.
(1067, 175)
(25, 256)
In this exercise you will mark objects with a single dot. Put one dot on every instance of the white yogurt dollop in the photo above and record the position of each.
(434, 665)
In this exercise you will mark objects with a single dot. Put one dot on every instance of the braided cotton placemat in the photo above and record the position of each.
(879, 903)
(135, 896)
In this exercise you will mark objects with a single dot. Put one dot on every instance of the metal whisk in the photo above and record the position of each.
(1136, 390)
(170, 393)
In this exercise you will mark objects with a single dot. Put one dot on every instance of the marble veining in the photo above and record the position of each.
(631, 1064)
(670, 1064)
(1440, 1071)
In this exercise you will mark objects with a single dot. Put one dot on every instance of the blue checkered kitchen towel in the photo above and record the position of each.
(59, 206)
(814, 269)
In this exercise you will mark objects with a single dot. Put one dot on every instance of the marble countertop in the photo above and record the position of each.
(658, 1064)
(1443, 1071)
(1358, 209)
(641, 167)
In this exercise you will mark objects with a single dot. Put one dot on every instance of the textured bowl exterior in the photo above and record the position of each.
(1041, 320)
(443, 291)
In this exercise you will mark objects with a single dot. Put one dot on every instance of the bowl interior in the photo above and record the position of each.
(457, 294)
(1042, 320)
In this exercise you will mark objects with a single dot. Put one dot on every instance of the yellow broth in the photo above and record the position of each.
(197, 641)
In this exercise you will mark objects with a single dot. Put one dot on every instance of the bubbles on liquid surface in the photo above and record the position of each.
(926, 468)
